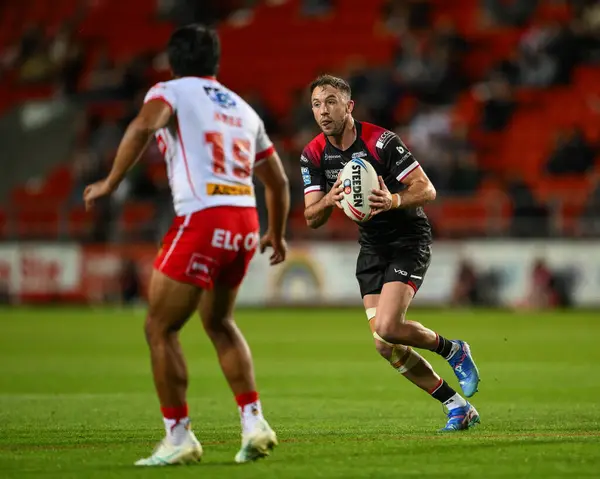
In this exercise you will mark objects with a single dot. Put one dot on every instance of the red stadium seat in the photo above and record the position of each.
(136, 219)
(290, 63)
(37, 222)
(3, 224)
(80, 223)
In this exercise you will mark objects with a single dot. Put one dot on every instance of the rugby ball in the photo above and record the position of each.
(358, 179)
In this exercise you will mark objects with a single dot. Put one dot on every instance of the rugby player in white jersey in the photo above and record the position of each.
(213, 142)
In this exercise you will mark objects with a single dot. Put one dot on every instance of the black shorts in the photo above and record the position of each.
(407, 264)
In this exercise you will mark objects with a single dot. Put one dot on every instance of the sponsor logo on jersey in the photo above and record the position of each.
(384, 139)
(405, 155)
(220, 97)
(305, 175)
(359, 154)
(332, 157)
(304, 159)
(332, 174)
(213, 189)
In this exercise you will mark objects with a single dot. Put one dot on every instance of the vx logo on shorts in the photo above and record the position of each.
(400, 271)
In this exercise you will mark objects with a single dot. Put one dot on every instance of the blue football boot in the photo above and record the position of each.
(461, 418)
(465, 369)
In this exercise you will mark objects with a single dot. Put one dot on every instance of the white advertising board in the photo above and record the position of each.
(314, 273)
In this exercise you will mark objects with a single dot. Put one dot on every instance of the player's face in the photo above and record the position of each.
(331, 109)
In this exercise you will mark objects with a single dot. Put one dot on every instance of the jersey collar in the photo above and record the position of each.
(358, 126)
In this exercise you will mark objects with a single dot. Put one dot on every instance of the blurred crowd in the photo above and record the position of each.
(426, 67)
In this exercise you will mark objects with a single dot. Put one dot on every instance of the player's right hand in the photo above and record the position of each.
(279, 246)
(334, 196)
(94, 191)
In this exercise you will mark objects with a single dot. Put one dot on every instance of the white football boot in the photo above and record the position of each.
(167, 454)
(257, 443)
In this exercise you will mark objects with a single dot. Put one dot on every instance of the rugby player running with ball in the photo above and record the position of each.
(395, 244)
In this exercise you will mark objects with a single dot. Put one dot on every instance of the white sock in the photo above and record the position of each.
(453, 351)
(177, 429)
(250, 414)
(455, 401)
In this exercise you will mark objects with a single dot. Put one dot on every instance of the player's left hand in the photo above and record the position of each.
(94, 191)
(380, 199)
(279, 248)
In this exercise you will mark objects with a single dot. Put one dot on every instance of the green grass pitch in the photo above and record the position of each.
(77, 401)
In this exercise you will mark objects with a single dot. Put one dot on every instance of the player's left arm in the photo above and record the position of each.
(154, 115)
(403, 165)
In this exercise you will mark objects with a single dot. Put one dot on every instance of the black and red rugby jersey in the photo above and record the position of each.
(321, 162)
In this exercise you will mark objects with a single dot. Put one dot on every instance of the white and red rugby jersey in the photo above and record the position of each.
(212, 145)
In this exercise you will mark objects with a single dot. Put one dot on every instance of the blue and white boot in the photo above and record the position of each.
(461, 418)
(465, 369)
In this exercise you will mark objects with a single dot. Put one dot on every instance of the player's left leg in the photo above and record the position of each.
(409, 363)
(171, 303)
(402, 279)
(216, 311)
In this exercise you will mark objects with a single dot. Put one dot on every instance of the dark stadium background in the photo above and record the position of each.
(499, 101)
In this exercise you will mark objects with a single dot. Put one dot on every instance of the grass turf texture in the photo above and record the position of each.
(76, 398)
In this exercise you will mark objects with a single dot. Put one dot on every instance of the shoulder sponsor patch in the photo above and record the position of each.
(404, 154)
(384, 139)
(304, 159)
(305, 175)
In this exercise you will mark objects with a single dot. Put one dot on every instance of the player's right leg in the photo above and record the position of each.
(171, 303)
(394, 328)
(409, 363)
(216, 311)
(399, 273)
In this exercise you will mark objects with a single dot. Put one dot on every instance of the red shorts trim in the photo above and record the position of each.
(210, 246)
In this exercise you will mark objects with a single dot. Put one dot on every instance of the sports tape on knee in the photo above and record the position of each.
(371, 313)
(404, 358)
(379, 338)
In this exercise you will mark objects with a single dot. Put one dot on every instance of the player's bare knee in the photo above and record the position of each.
(157, 327)
(391, 328)
(219, 328)
(389, 332)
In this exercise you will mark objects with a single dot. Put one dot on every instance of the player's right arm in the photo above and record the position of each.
(157, 111)
(318, 205)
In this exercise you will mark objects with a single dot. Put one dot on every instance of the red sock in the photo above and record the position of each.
(246, 398)
(176, 413)
(437, 386)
